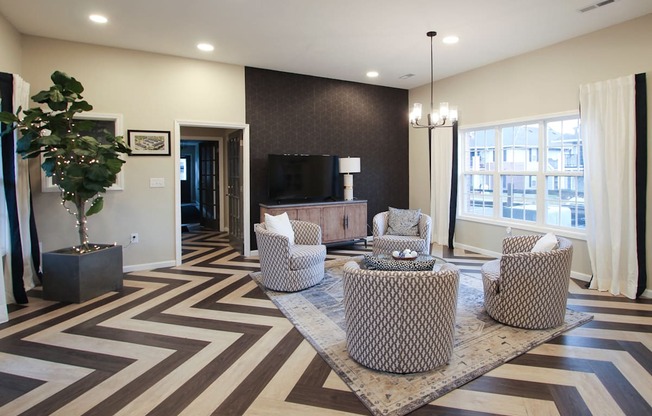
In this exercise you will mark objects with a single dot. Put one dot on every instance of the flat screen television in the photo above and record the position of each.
(303, 178)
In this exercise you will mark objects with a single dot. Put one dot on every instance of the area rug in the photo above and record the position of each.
(481, 344)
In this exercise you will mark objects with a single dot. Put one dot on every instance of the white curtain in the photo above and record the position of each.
(609, 139)
(441, 158)
(22, 99)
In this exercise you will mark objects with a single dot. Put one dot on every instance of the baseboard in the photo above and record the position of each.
(574, 274)
(478, 250)
(148, 266)
(581, 276)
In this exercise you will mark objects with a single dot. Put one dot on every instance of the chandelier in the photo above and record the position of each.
(435, 118)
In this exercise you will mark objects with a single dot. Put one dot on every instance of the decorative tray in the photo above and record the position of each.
(408, 258)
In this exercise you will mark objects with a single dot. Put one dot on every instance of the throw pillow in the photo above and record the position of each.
(546, 243)
(280, 224)
(403, 221)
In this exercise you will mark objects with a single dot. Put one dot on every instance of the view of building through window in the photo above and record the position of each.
(530, 171)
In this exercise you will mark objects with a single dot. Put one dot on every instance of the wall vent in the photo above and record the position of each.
(596, 5)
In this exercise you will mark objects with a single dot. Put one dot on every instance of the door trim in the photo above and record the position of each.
(245, 179)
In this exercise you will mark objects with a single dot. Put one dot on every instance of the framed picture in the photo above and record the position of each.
(103, 121)
(149, 142)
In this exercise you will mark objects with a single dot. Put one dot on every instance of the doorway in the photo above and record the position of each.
(203, 198)
(201, 181)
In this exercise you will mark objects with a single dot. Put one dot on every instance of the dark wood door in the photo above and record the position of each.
(235, 191)
(209, 185)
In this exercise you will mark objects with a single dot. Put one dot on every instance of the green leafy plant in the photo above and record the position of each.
(82, 166)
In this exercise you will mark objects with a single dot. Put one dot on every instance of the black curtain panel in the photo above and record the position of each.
(641, 179)
(454, 179)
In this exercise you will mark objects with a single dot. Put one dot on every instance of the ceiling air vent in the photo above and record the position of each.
(406, 76)
(596, 5)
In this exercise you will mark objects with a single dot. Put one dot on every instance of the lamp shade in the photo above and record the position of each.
(349, 165)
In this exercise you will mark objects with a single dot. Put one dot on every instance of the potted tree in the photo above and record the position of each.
(83, 166)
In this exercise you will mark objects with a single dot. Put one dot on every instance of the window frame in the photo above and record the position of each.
(540, 175)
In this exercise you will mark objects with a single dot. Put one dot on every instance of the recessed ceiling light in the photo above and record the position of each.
(451, 39)
(97, 18)
(206, 47)
(372, 74)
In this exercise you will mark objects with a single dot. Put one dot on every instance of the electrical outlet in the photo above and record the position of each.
(134, 238)
(157, 182)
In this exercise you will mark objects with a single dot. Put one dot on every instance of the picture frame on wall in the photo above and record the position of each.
(149, 142)
(103, 121)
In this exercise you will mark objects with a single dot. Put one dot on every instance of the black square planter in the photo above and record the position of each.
(76, 278)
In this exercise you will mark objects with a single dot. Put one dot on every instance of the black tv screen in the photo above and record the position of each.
(303, 178)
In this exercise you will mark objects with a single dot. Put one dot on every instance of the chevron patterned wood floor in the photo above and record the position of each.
(202, 339)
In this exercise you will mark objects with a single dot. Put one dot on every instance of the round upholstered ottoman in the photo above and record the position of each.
(399, 321)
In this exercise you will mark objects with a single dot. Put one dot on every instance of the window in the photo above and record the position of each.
(537, 179)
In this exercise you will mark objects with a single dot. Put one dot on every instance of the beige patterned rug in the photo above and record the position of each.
(481, 343)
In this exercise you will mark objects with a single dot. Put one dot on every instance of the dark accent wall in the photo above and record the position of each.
(291, 113)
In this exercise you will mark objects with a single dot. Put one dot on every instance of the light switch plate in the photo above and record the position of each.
(157, 182)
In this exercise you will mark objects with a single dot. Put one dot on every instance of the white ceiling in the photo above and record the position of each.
(341, 39)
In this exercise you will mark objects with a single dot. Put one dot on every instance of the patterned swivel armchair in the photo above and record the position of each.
(526, 289)
(386, 243)
(288, 268)
(398, 321)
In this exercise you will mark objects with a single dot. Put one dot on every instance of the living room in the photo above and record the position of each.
(535, 83)
(158, 92)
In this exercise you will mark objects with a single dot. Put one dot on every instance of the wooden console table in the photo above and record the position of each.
(340, 221)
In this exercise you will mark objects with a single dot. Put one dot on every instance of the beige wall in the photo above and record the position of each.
(151, 91)
(538, 83)
(10, 57)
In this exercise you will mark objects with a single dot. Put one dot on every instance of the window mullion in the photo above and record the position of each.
(541, 175)
(498, 166)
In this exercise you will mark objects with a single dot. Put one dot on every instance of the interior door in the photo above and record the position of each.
(235, 190)
(209, 185)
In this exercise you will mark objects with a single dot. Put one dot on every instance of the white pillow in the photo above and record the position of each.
(280, 224)
(546, 243)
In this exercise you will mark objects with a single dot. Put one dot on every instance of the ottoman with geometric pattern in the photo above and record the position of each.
(400, 322)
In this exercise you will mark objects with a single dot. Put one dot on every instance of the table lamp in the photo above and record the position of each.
(349, 165)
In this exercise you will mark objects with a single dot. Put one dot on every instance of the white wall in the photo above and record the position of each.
(10, 55)
(151, 91)
(538, 83)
